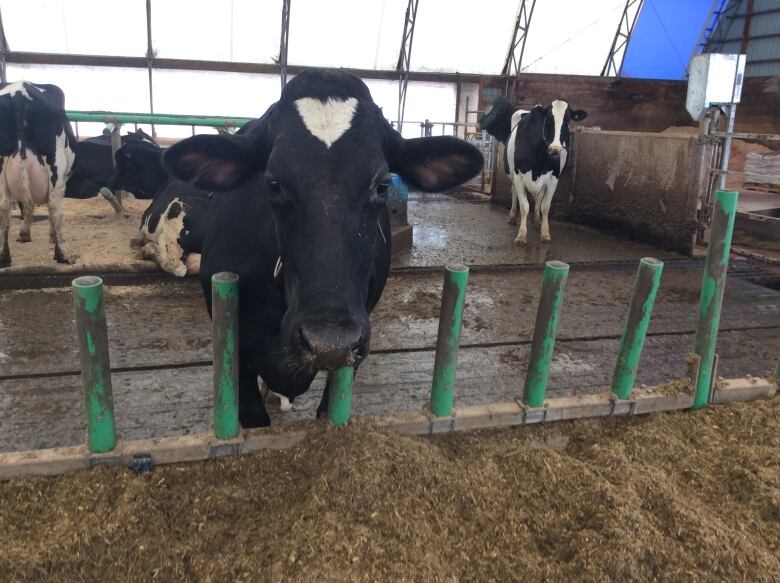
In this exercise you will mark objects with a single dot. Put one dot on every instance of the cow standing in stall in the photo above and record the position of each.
(37, 151)
(536, 147)
(300, 215)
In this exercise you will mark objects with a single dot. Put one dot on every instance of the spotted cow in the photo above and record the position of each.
(536, 146)
(37, 150)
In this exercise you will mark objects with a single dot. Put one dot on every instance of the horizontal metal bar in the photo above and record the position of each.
(751, 37)
(750, 175)
(21, 57)
(156, 118)
(747, 136)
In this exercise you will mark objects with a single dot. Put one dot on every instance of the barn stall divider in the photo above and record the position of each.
(227, 438)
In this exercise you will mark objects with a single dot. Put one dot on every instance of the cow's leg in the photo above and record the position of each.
(251, 408)
(513, 212)
(522, 199)
(546, 202)
(5, 223)
(61, 254)
(27, 208)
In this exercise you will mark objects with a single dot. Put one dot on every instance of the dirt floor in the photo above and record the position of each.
(92, 230)
(680, 496)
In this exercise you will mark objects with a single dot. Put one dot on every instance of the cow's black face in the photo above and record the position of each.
(139, 169)
(324, 154)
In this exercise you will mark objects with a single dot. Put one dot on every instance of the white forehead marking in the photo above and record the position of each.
(559, 112)
(18, 87)
(329, 120)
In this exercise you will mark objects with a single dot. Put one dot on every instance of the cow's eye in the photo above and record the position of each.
(275, 187)
(382, 188)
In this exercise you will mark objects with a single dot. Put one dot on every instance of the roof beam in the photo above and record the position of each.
(405, 58)
(284, 41)
(620, 42)
(514, 57)
(3, 51)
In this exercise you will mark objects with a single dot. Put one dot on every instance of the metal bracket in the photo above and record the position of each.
(142, 463)
(533, 414)
(713, 379)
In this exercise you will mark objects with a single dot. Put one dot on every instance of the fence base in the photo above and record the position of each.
(190, 448)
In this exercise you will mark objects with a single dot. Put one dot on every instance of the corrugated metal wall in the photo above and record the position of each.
(763, 35)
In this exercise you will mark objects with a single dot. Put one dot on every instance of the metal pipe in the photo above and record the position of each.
(640, 309)
(726, 153)
(224, 315)
(95, 364)
(456, 277)
(149, 118)
(712, 286)
(543, 342)
(340, 395)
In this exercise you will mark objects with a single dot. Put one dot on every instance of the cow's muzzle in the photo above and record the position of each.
(330, 346)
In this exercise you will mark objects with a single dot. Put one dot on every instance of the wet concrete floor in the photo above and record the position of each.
(153, 328)
(476, 233)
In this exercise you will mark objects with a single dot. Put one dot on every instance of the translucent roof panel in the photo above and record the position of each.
(90, 88)
(88, 27)
(463, 36)
(572, 36)
(356, 34)
(231, 30)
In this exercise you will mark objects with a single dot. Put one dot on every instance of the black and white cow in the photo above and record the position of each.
(301, 217)
(174, 224)
(37, 149)
(536, 146)
(94, 164)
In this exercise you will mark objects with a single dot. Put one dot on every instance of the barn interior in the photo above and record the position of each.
(638, 185)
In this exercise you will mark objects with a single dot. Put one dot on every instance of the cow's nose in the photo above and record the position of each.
(553, 149)
(332, 346)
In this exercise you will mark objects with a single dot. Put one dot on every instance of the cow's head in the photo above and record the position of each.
(555, 124)
(322, 155)
(139, 167)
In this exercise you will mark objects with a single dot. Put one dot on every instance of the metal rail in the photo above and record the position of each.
(111, 117)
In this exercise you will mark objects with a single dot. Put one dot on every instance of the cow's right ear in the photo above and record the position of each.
(219, 162)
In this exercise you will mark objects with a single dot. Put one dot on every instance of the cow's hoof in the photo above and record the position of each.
(24, 238)
(520, 241)
(5, 261)
(66, 258)
(546, 238)
(512, 220)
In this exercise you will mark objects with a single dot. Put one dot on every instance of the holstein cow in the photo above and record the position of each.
(37, 149)
(174, 224)
(536, 146)
(94, 164)
(301, 217)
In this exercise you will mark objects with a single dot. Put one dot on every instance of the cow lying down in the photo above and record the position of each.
(173, 225)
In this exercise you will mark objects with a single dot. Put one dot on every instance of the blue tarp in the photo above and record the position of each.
(664, 37)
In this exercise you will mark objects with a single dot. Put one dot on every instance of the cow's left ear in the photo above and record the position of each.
(578, 114)
(434, 164)
(219, 162)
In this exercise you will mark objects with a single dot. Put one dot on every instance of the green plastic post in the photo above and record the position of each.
(156, 118)
(456, 277)
(712, 286)
(95, 365)
(224, 317)
(340, 395)
(555, 274)
(637, 320)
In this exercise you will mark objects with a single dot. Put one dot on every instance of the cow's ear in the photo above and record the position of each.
(219, 162)
(578, 114)
(434, 164)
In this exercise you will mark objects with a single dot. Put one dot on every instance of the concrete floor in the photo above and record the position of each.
(476, 233)
(161, 349)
